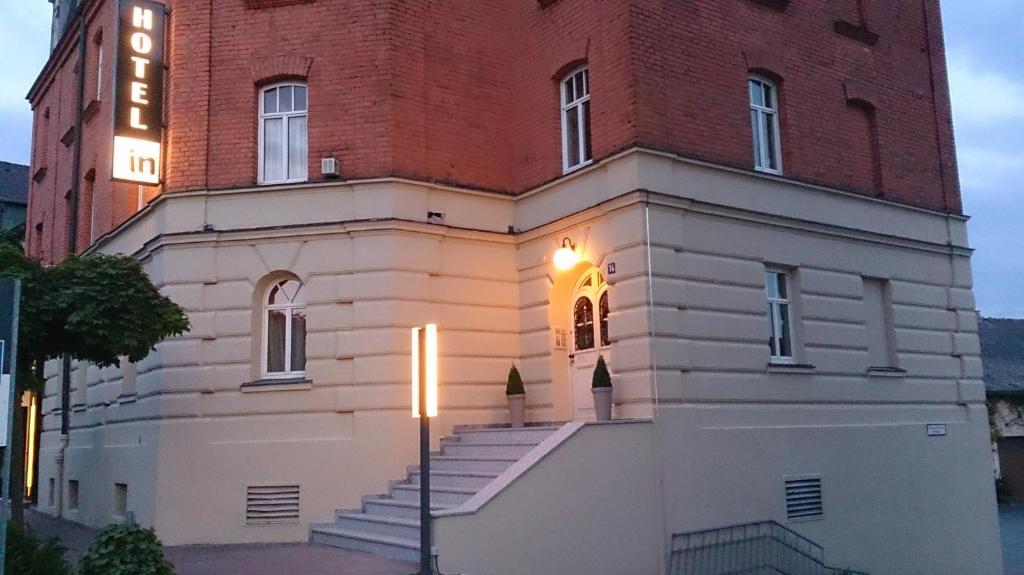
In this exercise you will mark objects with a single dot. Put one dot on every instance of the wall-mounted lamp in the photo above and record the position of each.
(566, 257)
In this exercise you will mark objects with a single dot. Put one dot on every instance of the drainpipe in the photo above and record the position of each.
(72, 248)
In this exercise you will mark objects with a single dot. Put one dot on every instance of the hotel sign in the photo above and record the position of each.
(139, 92)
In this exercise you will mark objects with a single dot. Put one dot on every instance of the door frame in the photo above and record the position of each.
(594, 291)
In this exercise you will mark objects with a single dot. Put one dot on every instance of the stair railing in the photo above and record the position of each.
(761, 548)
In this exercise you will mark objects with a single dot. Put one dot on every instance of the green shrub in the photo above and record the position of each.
(125, 550)
(601, 376)
(514, 386)
(30, 555)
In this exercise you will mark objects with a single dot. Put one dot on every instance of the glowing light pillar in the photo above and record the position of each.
(424, 401)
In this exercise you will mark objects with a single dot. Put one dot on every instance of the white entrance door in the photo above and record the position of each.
(589, 318)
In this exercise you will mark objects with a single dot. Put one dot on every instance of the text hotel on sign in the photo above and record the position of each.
(138, 102)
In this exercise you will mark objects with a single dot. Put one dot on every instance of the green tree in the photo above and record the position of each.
(601, 376)
(514, 384)
(94, 308)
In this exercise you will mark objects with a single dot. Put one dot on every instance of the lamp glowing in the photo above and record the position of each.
(566, 257)
(429, 346)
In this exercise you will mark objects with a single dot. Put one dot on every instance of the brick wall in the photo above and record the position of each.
(467, 93)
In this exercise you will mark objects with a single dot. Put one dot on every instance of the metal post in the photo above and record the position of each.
(425, 539)
(8, 421)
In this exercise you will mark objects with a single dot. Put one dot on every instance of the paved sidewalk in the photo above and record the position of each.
(273, 559)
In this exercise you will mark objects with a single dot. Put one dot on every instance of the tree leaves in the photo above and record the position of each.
(94, 308)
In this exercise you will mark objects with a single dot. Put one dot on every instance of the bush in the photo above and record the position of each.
(514, 386)
(601, 376)
(125, 550)
(29, 555)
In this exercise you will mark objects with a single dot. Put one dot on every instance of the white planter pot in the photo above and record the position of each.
(517, 410)
(602, 403)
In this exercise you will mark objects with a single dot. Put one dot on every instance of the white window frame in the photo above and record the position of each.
(286, 117)
(762, 162)
(774, 316)
(584, 132)
(99, 69)
(287, 308)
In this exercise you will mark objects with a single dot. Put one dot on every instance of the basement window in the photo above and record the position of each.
(73, 494)
(120, 499)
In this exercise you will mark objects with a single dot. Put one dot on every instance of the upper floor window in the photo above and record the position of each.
(764, 125)
(576, 120)
(283, 142)
(98, 42)
(284, 330)
(779, 316)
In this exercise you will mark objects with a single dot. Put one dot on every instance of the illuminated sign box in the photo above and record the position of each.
(139, 92)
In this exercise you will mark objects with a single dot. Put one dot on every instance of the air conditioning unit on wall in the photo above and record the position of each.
(330, 167)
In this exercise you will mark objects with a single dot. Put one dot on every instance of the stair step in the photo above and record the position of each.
(452, 496)
(504, 434)
(510, 450)
(398, 508)
(475, 463)
(466, 479)
(381, 545)
(402, 528)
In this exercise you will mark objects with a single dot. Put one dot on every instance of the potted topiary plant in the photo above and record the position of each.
(516, 394)
(601, 386)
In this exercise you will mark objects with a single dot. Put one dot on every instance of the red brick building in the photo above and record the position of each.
(863, 97)
(705, 160)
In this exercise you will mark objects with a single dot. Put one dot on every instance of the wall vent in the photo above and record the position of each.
(268, 504)
(803, 498)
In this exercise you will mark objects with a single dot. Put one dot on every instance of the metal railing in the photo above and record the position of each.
(764, 548)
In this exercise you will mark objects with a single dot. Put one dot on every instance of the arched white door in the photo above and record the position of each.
(589, 320)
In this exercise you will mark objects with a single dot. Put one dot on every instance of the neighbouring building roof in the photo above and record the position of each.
(1002, 351)
(13, 183)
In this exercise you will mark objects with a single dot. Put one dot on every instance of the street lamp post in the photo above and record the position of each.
(7, 419)
(424, 405)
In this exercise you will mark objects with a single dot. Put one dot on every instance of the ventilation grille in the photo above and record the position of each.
(267, 504)
(803, 498)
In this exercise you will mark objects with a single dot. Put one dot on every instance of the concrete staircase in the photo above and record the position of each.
(388, 524)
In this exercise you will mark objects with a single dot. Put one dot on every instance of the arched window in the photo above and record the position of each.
(764, 125)
(583, 318)
(284, 330)
(602, 311)
(576, 120)
(283, 145)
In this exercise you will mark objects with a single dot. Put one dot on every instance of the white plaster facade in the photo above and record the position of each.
(690, 243)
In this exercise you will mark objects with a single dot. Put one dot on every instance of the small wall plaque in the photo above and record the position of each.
(611, 268)
(561, 337)
(936, 429)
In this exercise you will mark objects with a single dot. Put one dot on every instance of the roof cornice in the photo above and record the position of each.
(86, 9)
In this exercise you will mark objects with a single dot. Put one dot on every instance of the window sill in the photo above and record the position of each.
(885, 372)
(259, 4)
(277, 384)
(577, 167)
(779, 5)
(791, 368)
(283, 182)
(90, 111)
(768, 171)
(857, 32)
(68, 138)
